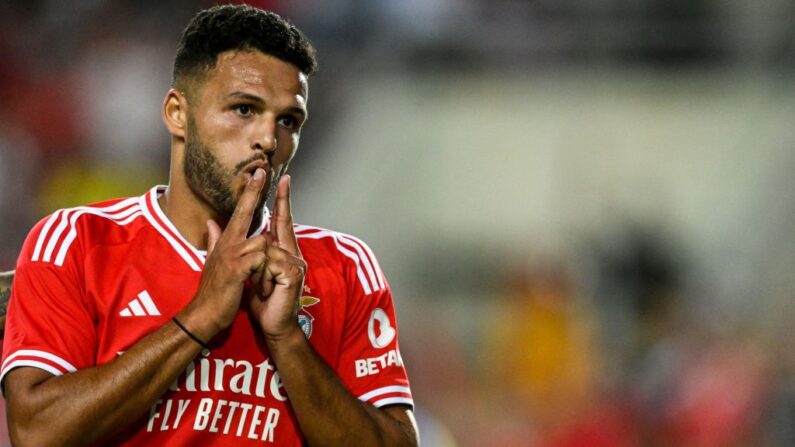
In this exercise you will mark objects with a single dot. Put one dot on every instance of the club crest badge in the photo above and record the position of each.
(305, 319)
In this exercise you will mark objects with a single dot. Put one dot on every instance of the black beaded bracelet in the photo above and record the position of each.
(195, 338)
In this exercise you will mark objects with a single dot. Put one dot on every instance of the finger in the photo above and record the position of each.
(283, 218)
(285, 274)
(255, 262)
(240, 221)
(273, 236)
(256, 277)
(268, 239)
(267, 284)
(280, 262)
(268, 272)
(213, 234)
(251, 245)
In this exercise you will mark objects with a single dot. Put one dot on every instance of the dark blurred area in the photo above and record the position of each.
(584, 206)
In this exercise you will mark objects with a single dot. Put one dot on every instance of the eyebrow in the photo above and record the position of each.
(257, 99)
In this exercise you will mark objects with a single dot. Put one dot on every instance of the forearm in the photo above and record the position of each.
(327, 412)
(90, 404)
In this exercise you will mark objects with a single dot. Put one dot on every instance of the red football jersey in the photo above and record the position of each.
(91, 281)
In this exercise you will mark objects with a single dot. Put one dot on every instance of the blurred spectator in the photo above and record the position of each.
(719, 399)
(541, 352)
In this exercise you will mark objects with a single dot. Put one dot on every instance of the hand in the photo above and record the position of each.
(277, 288)
(231, 258)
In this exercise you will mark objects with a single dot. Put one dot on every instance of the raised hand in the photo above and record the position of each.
(232, 258)
(277, 288)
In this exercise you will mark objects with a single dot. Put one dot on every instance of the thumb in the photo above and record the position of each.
(213, 234)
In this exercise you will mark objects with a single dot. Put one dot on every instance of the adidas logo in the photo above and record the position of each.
(140, 307)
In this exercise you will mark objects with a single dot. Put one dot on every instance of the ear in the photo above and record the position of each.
(175, 113)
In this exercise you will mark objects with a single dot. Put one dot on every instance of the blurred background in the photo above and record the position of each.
(585, 207)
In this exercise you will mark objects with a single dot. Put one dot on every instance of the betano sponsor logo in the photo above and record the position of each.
(383, 335)
(374, 365)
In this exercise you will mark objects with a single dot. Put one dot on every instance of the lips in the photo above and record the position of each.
(248, 169)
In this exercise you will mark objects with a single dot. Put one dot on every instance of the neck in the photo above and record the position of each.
(188, 211)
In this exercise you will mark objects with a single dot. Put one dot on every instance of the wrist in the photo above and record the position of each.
(200, 342)
(286, 340)
(198, 323)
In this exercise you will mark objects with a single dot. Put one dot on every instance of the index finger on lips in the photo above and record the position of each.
(283, 217)
(240, 221)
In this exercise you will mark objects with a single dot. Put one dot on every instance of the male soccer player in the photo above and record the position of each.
(190, 315)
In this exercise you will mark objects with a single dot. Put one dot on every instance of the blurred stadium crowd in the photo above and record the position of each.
(584, 207)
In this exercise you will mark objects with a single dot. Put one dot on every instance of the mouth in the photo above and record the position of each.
(248, 170)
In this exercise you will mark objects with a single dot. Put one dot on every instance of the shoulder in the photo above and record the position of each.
(52, 238)
(348, 252)
(336, 243)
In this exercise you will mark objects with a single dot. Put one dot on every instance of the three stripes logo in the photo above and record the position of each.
(141, 306)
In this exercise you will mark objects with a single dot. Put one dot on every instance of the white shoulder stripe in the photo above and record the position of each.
(65, 219)
(67, 242)
(129, 213)
(43, 235)
(373, 259)
(359, 273)
(357, 245)
(56, 235)
(129, 218)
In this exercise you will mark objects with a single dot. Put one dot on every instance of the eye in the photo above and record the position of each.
(243, 109)
(288, 121)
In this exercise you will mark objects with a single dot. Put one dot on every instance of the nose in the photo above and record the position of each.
(264, 138)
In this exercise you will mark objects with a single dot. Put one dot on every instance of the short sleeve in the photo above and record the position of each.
(370, 362)
(48, 325)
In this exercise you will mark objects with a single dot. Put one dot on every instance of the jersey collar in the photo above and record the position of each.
(157, 218)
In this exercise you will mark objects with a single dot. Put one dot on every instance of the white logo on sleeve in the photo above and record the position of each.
(140, 307)
(383, 335)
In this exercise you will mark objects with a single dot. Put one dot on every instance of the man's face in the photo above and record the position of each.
(245, 114)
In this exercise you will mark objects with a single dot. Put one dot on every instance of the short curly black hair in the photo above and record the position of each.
(238, 27)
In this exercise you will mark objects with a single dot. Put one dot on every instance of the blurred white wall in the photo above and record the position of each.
(513, 161)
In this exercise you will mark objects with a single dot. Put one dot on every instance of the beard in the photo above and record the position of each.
(207, 178)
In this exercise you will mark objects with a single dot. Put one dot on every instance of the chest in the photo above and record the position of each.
(134, 289)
